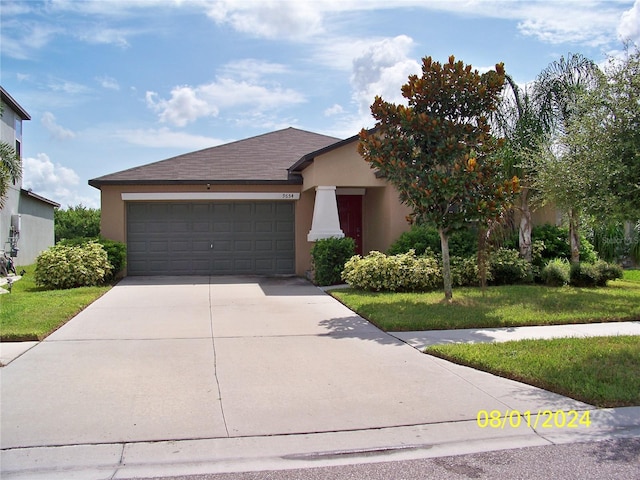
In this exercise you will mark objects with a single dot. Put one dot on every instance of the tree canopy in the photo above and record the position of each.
(438, 148)
(76, 222)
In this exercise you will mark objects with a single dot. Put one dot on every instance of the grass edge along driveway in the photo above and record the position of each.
(30, 313)
(602, 371)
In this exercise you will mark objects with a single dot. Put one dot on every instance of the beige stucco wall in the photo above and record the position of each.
(342, 167)
(383, 216)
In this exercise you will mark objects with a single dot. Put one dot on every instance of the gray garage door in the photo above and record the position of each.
(214, 238)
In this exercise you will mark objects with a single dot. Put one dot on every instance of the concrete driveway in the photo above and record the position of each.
(200, 358)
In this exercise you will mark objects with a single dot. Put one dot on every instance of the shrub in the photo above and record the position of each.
(117, 255)
(329, 256)
(556, 272)
(464, 271)
(608, 271)
(423, 239)
(508, 267)
(64, 266)
(395, 273)
(556, 243)
(593, 274)
(116, 252)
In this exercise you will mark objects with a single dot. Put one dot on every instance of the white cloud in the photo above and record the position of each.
(108, 83)
(68, 87)
(252, 69)
(187, 104)
(382, 70)
(19, 40)
(629, 28)
(335, 109)
(57, 131)
(293, 19)
(52, 181)
(165, 138)
(183, 107)
(104, 35)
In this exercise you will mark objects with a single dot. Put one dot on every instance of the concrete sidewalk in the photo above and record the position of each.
(192, 375)
(420, 340)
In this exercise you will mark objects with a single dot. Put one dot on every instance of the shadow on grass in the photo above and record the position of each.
(504, 306)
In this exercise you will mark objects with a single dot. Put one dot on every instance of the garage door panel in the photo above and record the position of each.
(284, 227)
(243, 227)
(222, 227)
(243, 246)
(210, 238)
(264, 227)
(264, 245)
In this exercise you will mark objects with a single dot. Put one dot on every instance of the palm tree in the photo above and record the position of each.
(10, 169)
(520, 122)
(558, 91)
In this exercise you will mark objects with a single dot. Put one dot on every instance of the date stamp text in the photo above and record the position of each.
(539, 419)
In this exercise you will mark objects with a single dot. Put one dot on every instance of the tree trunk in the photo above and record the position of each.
(574, 239)
(525, 226)
(446, 265)
(482, 257)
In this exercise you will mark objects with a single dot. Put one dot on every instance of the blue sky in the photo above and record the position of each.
(112, 84)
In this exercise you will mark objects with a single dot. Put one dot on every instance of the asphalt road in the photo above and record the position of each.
(611, 459)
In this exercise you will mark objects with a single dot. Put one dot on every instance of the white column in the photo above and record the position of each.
(326, 223)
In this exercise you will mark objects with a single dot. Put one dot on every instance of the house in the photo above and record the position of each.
(254, 206)
(26, 220)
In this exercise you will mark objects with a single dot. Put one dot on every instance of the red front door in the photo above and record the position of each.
(350, 213)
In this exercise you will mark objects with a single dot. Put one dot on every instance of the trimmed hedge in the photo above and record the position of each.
(329, 256)
(507, 267)
(556, 272)
(404, 272)
(116, 252)
(423, 239)
(593, 275)
(64, 266)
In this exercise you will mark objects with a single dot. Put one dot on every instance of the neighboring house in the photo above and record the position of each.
(26, 220)
(253, 206)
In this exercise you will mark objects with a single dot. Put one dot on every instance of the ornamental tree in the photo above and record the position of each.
(438, 149)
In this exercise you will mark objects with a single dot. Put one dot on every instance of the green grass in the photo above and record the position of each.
(602, 371)
(31, 313)
(503, 306)
(632, 275)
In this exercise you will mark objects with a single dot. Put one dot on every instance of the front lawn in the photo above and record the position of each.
(31, 313)
(503, 306)
(601, 371)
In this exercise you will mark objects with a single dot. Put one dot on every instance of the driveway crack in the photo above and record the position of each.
(215, 361)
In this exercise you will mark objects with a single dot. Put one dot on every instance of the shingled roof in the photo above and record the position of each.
(262, 159)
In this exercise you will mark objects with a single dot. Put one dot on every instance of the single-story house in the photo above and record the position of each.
(254, 206)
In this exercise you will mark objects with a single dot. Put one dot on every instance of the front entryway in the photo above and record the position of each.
(211, 238)
(350, 213)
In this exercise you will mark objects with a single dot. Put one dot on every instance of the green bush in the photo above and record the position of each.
(593, 274)
(117, 255)
(464, 271)
(507, 267)
(423, 239)
(404, 272)
(329, 256)
(63, 266)
(116, 251)
(556, 243)
(608, 271)
(556, 272)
